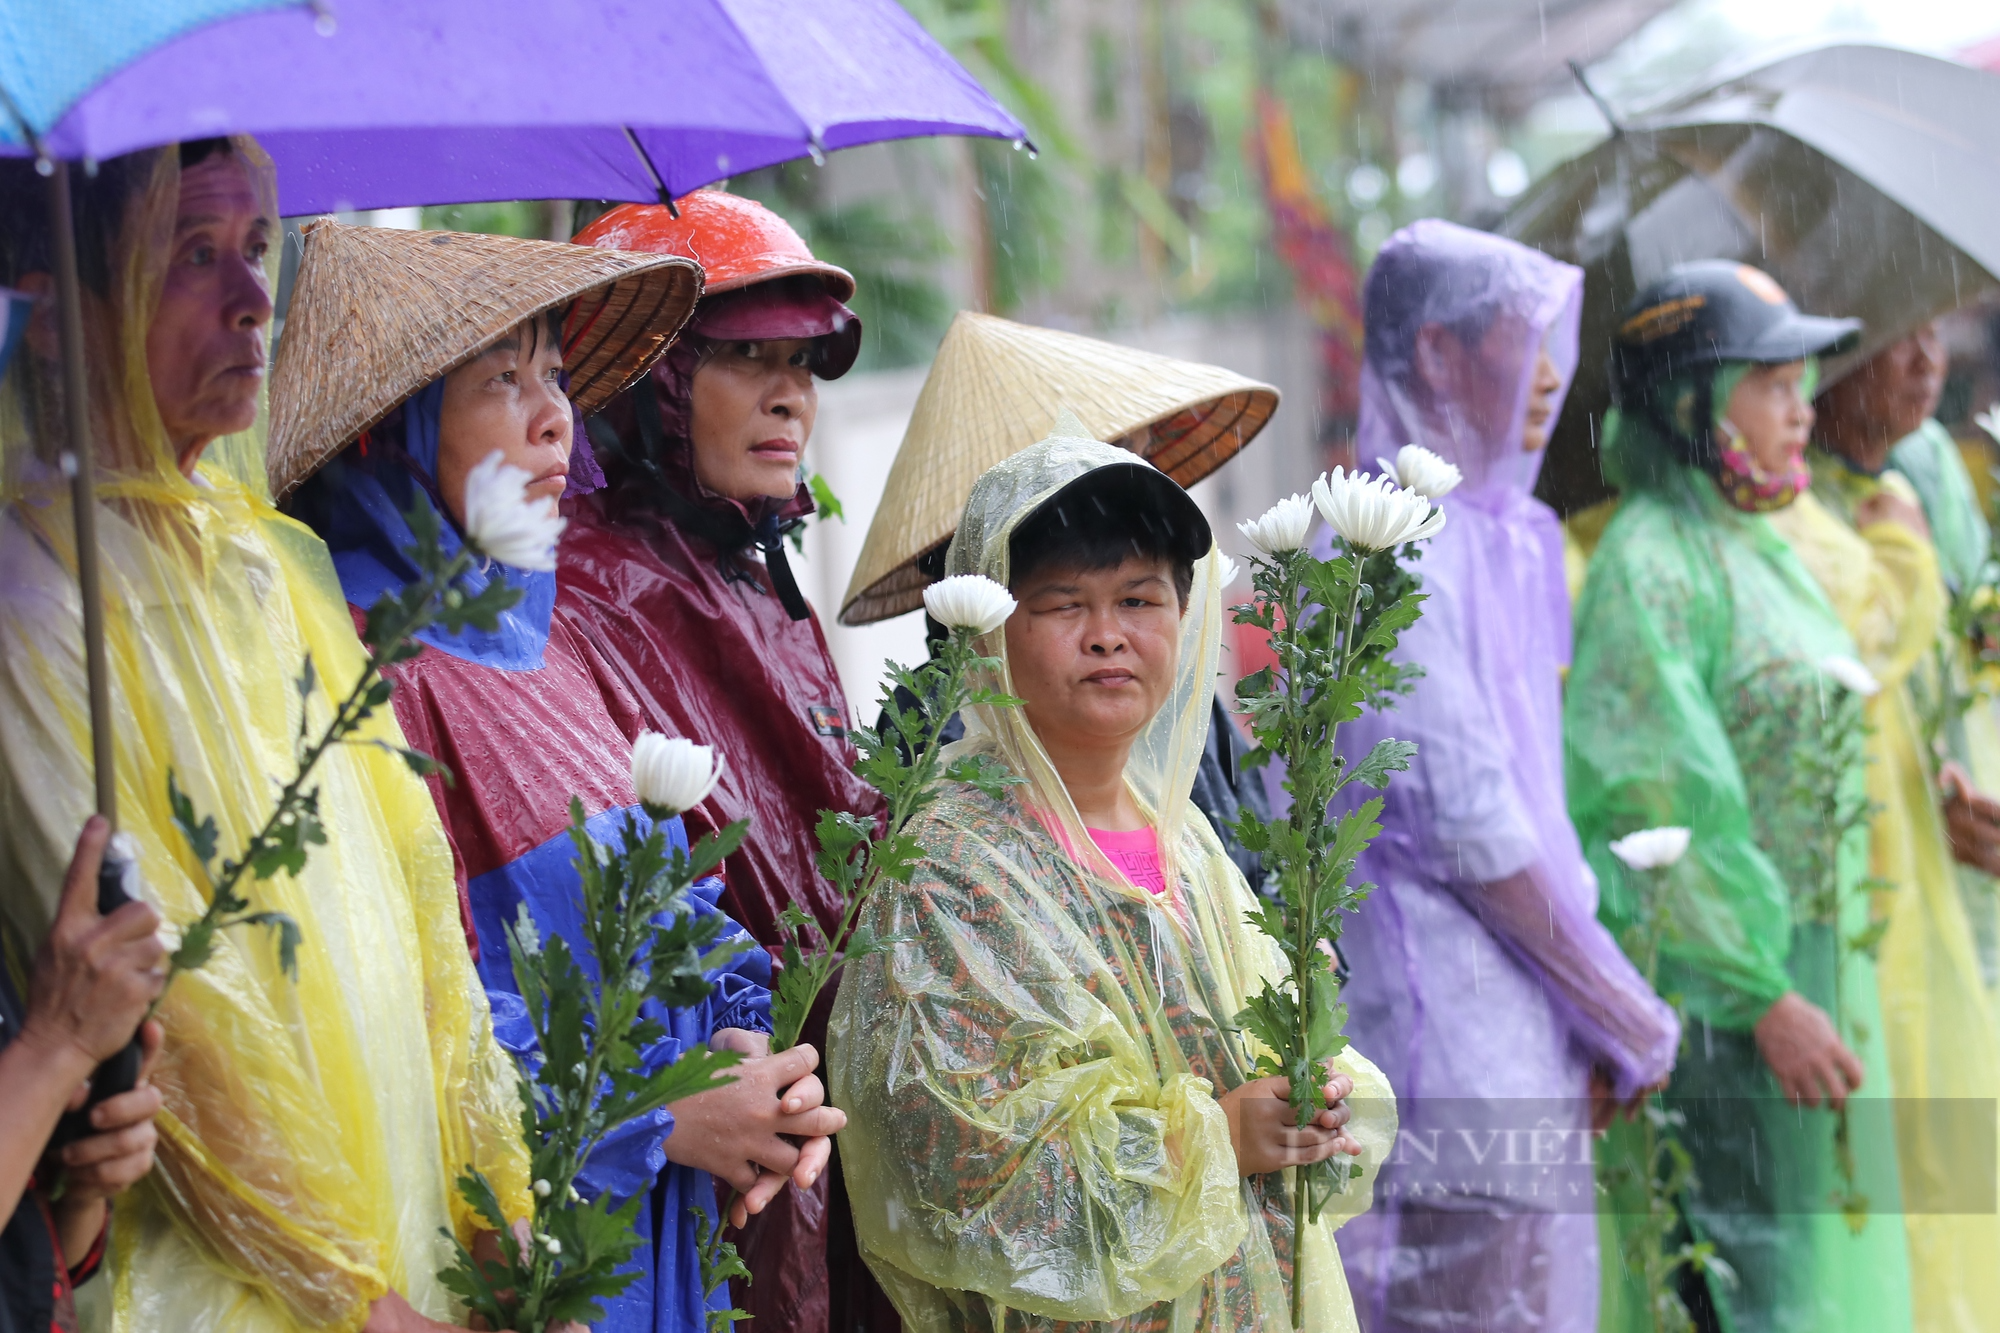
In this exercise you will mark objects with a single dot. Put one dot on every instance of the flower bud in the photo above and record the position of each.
(969, 601)
(671, 773)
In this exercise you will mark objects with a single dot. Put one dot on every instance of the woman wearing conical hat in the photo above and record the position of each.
(992, 391)
(1055, 1121)
(312, 1128)
(505, 344)
(676, 573)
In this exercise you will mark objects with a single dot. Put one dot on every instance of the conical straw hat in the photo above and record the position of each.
(377, 313)
(995, 389)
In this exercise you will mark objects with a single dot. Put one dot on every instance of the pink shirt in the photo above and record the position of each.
(1137, 853)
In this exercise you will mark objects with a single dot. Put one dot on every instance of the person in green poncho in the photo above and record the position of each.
(1705, 660)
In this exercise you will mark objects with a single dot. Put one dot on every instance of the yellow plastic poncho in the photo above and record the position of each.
(312, 1130)
(1939, 1030)
(1030, 1077)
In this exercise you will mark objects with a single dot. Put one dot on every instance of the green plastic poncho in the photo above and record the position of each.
(1030, 1076)
(1929, 457)
(1694, 696)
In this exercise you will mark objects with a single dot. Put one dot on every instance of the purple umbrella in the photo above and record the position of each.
(376, 103)
(459, 101)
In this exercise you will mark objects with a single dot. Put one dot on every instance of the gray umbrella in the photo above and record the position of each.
(1864, 179)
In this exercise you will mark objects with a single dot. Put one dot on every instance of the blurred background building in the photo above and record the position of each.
(1212, 179)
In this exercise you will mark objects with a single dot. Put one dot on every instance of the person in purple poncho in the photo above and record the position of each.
(1505, 1016)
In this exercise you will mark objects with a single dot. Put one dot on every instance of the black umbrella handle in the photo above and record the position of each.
(120, 1073)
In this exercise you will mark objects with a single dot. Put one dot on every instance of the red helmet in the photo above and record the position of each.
(741, 244)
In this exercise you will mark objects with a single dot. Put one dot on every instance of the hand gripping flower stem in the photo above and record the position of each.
(1332, 640)
(500, 520)
(589, 1075)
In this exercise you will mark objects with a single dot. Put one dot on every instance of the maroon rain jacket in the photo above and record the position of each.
(697, 635)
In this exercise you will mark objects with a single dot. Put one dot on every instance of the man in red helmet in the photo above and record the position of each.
(676, 572)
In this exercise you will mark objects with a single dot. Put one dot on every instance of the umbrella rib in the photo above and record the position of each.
(666, 196)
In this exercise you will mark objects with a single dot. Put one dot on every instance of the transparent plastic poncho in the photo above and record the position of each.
(314, 1128)
(1031, 1073)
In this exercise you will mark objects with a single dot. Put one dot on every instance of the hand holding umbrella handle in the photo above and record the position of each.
(120, 1073)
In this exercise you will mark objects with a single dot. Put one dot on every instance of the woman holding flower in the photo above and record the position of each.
(514, 710)
(1055, 1121)
(1707, 663)
(677, 575)
(1483, 983)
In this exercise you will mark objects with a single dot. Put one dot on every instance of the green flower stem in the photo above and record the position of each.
(1308, 810)
(905, 800)
(1663, 1162)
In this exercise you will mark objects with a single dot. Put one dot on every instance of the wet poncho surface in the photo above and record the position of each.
(313, 1128)
(1693, 699)
(1031, 1074)
(1938, 1025)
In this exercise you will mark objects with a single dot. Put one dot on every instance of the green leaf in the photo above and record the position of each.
(285, 848)
(897, 857)
(201, 836)
(478, 1191)
(287, 931)
(197, 946)
(717, 847)
(1388, 756)
(862, 941)
(824, 500)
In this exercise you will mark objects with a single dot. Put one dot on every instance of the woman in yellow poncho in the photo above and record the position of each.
(1052, 1123)
(1863, 537)
(314, 1129)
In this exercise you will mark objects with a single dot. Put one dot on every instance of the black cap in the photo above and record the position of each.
(1709, 312)
(1138, 493)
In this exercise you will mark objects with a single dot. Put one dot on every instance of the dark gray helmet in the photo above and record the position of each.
(1705, 313)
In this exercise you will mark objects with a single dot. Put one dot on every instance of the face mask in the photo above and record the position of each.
(1748, 487)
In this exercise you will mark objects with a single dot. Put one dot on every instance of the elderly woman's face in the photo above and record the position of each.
(205, 346)
(508, 399)
(1768, 406)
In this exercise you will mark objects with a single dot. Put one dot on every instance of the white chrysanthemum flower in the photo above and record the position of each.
(1282, 527)
(504, 523)
(1418, 469)
(1227, 571)
(1851, 674)
(1989, 420)
(672, 773)
(968, 601)
(1372, 513)
(1652, 848)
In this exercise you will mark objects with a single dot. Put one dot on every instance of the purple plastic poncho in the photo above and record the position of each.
(1482, 981)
